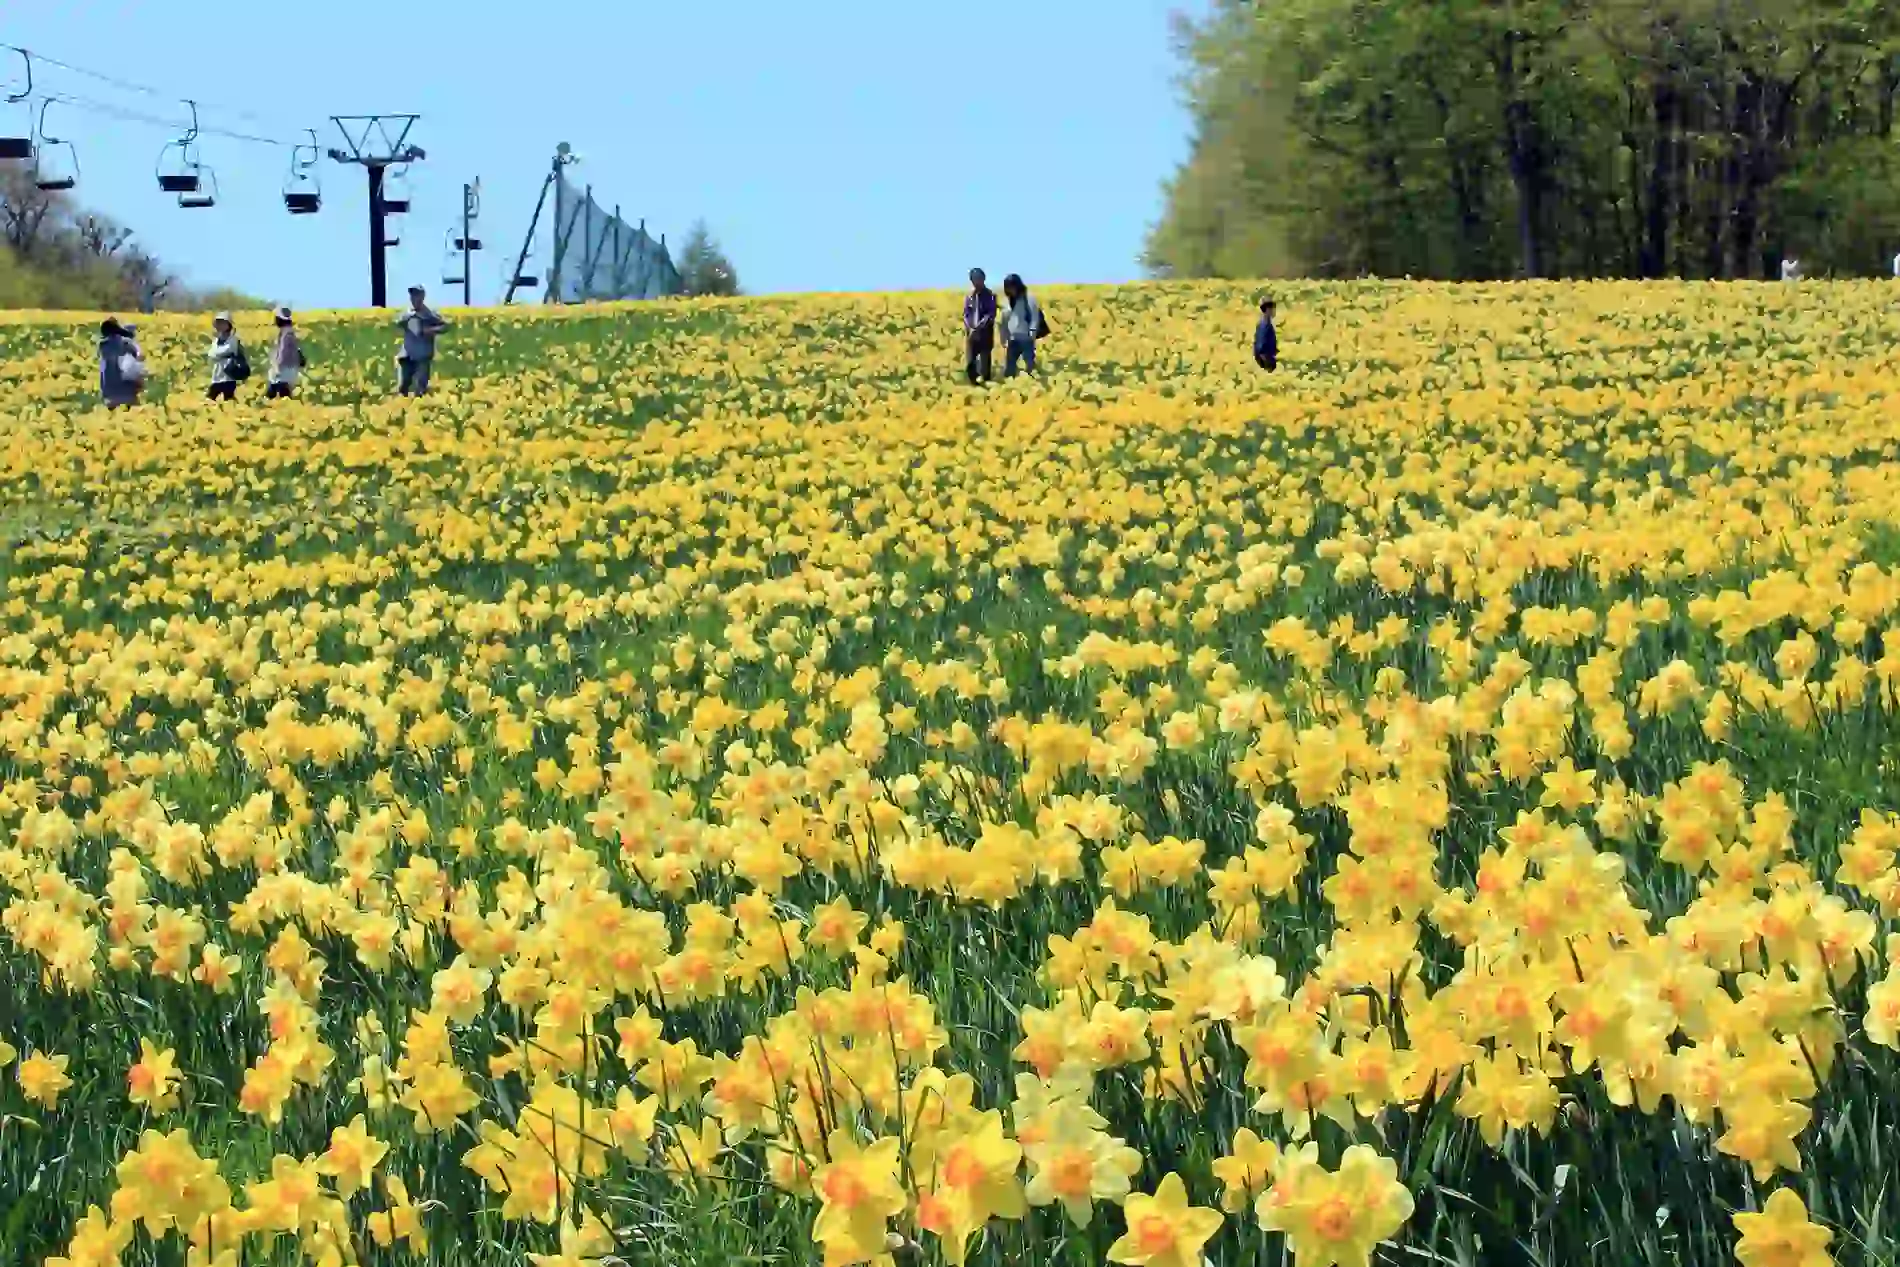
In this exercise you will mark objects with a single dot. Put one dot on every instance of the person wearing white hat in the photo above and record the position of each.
(229, 365)
(286, 357)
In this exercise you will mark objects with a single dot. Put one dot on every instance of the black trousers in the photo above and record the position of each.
(222, 391)
(277, 391)
(978, 366)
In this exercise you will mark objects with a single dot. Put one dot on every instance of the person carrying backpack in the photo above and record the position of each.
(121, 365)
(286, 358)
(1022, 326)
(229, 365)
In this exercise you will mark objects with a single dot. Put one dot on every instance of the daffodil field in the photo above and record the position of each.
(707, 786)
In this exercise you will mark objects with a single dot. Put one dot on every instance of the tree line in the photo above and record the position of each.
(1477, 139)
(56, 254)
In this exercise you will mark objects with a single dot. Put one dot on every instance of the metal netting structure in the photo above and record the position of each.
(596, 255)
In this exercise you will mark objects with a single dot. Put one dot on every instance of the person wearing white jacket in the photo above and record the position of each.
(1022, 325)
(229, 365)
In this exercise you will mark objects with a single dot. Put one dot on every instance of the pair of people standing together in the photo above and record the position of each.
(1022, 322)
(230, 366)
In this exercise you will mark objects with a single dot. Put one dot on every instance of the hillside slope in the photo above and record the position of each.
(709, 786)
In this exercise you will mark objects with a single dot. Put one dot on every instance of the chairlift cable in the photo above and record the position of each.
(127, 85)
(125, 114)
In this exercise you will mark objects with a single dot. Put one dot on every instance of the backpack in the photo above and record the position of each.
(1042, 323)
(240, 365)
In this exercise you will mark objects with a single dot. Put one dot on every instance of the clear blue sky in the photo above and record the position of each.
(840, 145)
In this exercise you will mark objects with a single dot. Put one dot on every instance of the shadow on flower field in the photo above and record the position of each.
(707, 786)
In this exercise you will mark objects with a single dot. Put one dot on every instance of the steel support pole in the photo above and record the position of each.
(468, 274)
(378, 262)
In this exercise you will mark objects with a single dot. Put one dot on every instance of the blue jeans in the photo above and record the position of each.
(1023, 348)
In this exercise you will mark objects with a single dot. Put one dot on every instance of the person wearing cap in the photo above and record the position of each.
(121, 365)
(229, 366)
(286, 358)
(979, 328)
(420, 325)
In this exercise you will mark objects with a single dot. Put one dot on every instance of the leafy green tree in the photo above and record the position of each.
(55, 255)
(1539, 138)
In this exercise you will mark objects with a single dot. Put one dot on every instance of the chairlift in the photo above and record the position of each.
(205, 194)
(19, 146)
(525, 275)
(452, 272)
(303, 193)
(55, 162)
(396, 190)
(180, 170)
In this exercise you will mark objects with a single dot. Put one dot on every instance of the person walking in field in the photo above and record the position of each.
(420, 326)
(979, 328)
(229, 365)
(1266, 340)
(121, 365)
(286, 358)
(1021, 327)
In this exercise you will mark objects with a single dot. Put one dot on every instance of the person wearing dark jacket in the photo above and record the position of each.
(118, 354)
(979, 328)
(1266, 342)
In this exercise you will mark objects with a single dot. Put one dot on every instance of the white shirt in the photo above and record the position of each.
(1896, 266)
(1021, 320)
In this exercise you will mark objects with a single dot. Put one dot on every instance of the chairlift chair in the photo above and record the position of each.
(452, 272)
(525, 276)
(18, 146)
(303, 193)
(396, 190)
(180, 170)
(55, 162)
(204, 193)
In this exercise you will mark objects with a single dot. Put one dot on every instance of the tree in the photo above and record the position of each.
(28, 214)
(1539, 138)
(101, 237)
(703, 267)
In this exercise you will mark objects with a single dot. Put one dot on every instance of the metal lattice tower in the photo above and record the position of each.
(379, 142)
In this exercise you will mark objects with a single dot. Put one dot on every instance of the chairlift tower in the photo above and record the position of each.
(379, 142)
(464, 245)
